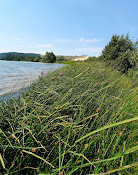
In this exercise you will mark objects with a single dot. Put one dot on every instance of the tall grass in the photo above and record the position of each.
(81, 119)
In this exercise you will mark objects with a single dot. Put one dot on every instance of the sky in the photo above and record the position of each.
(65, 27)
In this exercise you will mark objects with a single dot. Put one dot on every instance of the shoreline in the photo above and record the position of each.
(8, 95)
(14, 89)
(13, 94)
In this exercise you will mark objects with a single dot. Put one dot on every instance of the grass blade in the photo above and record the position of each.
(38, 157)
(107, 127)
(2, 161)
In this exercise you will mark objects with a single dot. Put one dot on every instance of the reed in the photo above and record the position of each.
(80, 119)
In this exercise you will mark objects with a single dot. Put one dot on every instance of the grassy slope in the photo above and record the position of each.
(70, 119)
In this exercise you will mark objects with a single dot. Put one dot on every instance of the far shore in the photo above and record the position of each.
(82, 58)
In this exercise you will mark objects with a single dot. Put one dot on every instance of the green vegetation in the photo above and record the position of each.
(61, 59)
(121, 53)
(49, 57)
(81, 119)
(15, 56)
(91, 59)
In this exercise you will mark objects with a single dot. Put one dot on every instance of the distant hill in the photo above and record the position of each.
(2, 55)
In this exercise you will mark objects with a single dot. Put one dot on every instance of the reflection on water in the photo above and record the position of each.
(15, 75)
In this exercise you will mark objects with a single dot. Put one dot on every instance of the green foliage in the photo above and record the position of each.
(49, 57)
(20, 57)
(37, 59)
(91, 59)
(120, 53)
(61, 58)
(81, 119)
(15, 56)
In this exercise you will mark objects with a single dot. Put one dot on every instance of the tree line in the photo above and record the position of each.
(49, 57)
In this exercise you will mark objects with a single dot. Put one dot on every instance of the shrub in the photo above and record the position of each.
(91, 59)
(37, 59)
(61, 59)
(49, 57)
(120, 53)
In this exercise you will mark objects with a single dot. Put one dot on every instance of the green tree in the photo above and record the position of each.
(49, 57)
(37, 58)
(119, 53)
(61, 58)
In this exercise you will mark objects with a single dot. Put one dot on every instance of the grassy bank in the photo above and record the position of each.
(81, 119)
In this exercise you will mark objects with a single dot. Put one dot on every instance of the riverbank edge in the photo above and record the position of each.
(19, 91)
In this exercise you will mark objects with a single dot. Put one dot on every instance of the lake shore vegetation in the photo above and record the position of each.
(49, 57)
(79, 119)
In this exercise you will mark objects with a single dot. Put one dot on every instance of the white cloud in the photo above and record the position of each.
(45, 46)
(94, 40)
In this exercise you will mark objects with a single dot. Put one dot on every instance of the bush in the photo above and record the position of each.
(91, 59)
(49, 57)
(60, 59)
(37, 59)
(120, 53)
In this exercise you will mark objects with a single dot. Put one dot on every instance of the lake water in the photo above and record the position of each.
(15, 75)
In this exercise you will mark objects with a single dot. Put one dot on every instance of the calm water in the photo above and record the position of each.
(15, 75)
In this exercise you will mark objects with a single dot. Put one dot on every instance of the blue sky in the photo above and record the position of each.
(66, 27)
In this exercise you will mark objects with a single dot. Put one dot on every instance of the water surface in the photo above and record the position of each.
(15, 74)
